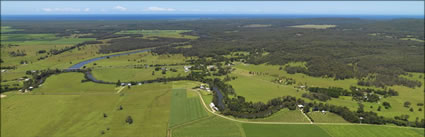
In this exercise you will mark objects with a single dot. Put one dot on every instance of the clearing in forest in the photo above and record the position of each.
(313, 26)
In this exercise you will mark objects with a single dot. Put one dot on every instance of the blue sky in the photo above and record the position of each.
(214, 7)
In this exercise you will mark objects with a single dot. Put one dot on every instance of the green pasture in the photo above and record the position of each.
(70, 82)
(272, 130)
(131, 74)
(327, 117)
(285, 115)
(140, 59)
(185, 107)
(210, 127)
(371, 131)
(262, 88)
(82, 114)
(257, 89)
(31, 44)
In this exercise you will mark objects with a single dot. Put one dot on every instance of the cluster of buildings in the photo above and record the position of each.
(129, 84)
(204, 87)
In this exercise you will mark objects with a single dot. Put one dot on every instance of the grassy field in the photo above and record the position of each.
(285, 115)
(140, 59)
(211, 127)
(82, 114)
(370, 131)
(185, 107)
(31, 44)
(60, 61)
(160, 33)
(130, 74)
(262, 88)
(123, 67)
(312, 26)
(263, 130)
(328, 117)
(73, 84)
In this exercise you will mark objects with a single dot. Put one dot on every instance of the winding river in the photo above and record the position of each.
(81, 64)
(91, 77)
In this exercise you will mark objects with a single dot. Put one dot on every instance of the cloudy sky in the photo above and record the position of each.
(214, 7)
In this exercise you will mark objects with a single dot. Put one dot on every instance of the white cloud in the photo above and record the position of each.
(121, 8)
(153, 8)
(65, 9)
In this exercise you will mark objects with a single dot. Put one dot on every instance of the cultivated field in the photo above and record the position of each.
(185, 107)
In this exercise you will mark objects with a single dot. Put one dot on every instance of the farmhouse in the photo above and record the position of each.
(301, 106)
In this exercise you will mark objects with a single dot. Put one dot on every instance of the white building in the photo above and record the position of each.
(212, 106)
(187, 68)
(210, 66)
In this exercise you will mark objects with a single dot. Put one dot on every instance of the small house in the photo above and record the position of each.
(210, 66)
(212, 106)
(187, 68)
(301, 106)
(215, 108)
